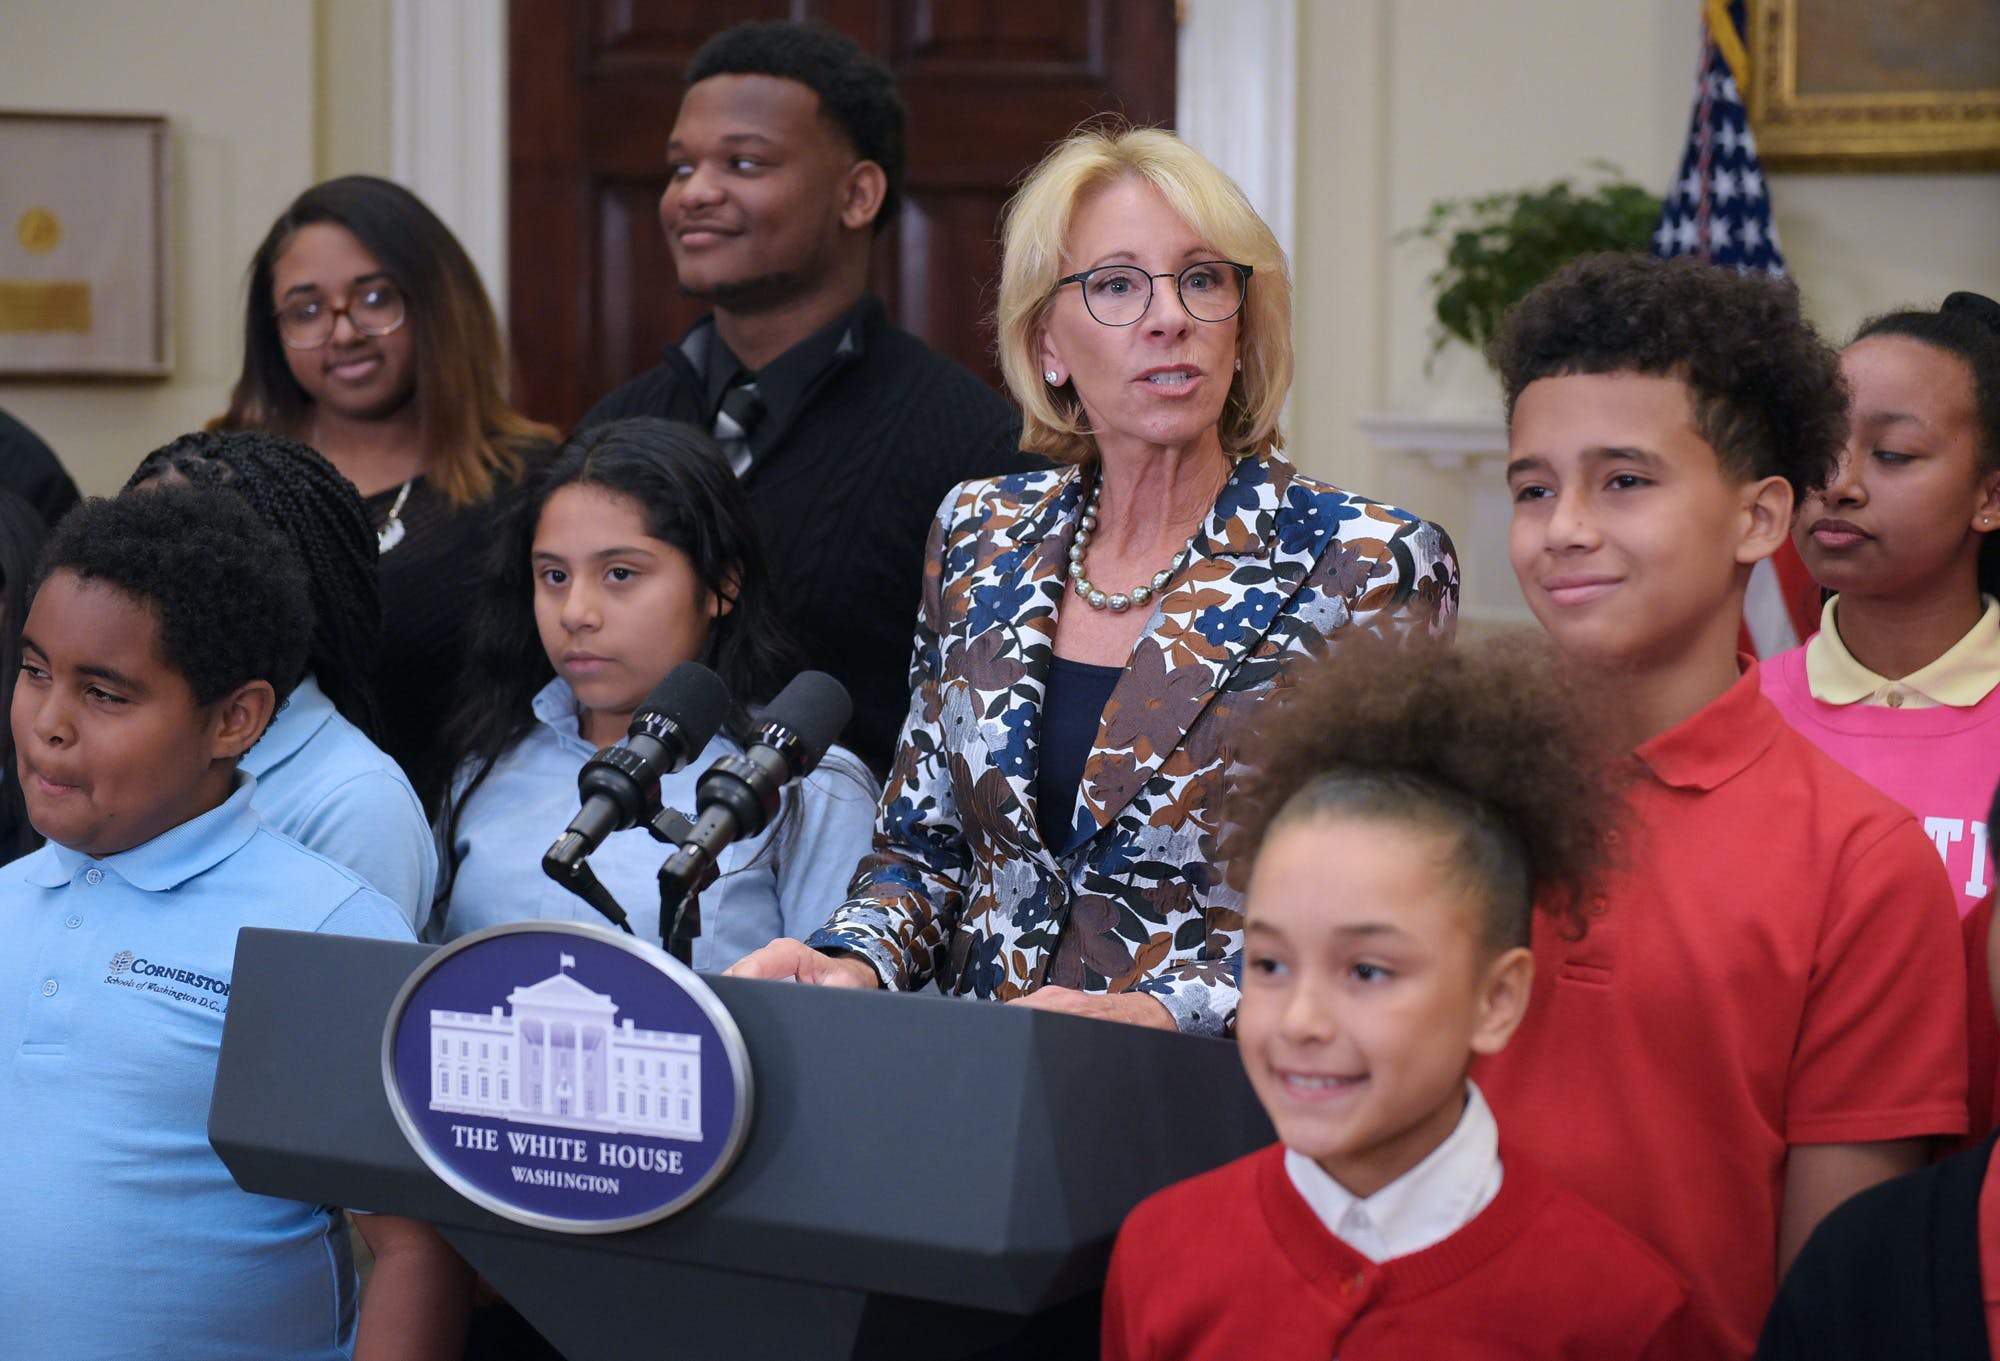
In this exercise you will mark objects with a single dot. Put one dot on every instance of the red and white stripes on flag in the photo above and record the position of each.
(1719, 210)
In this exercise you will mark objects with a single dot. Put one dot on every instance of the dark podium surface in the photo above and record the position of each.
(924, 1176)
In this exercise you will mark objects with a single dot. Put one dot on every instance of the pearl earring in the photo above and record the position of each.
(1050, 378)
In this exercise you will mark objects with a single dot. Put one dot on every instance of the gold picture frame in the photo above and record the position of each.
(85, 268)
(1858, 85)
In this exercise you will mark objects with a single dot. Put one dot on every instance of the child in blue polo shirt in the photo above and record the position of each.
(164, 631)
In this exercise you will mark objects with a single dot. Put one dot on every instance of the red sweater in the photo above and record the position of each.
(1235, 1264)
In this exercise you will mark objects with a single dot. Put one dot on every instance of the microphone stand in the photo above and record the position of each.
(580, 879)
(680, 909)
(747, 791)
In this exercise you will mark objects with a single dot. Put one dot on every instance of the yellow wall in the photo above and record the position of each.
(1403, 101)
(1408, 101)
(239, 80)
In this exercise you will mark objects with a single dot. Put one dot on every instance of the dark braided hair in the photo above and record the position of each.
(20, 544)
(298, 493)
(1966, 326)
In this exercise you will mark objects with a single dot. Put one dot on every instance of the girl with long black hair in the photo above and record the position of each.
(633, 552)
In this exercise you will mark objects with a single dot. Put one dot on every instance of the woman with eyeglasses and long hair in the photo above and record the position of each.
(1094, 642)
(368, 335)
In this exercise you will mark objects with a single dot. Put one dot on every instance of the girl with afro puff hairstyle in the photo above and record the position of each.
(1401, 817)
(321, 779)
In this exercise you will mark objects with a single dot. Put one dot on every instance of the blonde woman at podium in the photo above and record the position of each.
(1094, 640)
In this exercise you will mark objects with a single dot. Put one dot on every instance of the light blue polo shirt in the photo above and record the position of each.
(766, 889)
(121, 1234)
(322, 783)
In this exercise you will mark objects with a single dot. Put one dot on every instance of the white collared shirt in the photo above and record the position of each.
(1423, 1207)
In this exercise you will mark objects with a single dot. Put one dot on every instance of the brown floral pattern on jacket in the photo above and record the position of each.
(960, 889)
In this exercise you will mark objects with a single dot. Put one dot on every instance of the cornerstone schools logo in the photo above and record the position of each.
(567, 1077)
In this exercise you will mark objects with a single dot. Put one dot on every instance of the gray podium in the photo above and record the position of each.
(924, 1176)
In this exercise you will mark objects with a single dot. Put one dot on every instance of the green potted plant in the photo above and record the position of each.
(1498, 246)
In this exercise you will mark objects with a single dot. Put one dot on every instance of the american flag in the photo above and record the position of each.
(1719, 210)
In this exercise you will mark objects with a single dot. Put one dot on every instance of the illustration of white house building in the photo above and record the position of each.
(560, 1059)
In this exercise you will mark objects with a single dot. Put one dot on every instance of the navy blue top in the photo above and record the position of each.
(1072, 705)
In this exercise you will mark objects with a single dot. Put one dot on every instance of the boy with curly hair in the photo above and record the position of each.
(1766, 1015)
(1394, 1217)
(165, 629)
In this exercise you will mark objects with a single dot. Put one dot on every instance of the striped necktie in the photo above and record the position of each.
(742, 408)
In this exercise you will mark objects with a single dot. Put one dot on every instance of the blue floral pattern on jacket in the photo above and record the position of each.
(959, 890)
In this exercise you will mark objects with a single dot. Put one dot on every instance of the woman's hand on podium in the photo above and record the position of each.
(796, 962)
(1133, 1008)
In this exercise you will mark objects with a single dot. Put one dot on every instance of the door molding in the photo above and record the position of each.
(1236, 83)
(1237, 99)
(448, 122)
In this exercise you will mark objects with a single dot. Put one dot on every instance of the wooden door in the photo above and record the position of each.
(594, 85)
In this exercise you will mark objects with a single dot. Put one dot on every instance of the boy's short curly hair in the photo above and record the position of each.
(855, 90)
(1485, 743)
(228, 591)
(1768, 396)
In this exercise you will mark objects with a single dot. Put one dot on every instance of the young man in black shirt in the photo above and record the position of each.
(786, 159)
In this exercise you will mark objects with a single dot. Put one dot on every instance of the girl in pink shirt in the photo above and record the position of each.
(1902, 682)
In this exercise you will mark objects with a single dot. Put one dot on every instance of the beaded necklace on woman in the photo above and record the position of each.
(1116, 601)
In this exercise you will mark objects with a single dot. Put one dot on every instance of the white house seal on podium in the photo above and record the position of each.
(567, 1077)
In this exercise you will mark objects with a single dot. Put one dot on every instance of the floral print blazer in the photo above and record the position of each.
(960, 889)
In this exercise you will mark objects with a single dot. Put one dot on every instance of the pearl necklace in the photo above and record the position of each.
(1115, 601)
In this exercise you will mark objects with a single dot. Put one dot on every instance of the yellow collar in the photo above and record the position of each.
(1967, 673)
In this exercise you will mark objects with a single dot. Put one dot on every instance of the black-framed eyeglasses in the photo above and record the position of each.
(1118, 295)
(375, 311)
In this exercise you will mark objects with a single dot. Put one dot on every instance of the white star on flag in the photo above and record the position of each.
(1718, 209)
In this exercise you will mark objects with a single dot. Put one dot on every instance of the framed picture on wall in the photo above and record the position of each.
(83, 246)
(1862, 85)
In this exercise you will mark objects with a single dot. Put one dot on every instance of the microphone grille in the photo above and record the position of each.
(695, 698)
(815, 707)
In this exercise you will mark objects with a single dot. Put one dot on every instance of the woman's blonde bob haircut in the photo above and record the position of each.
(1035, 236)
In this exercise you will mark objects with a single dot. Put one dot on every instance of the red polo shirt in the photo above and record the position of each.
(1776, 963)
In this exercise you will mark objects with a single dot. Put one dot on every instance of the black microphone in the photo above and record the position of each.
(739, 795)
(620, 785)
